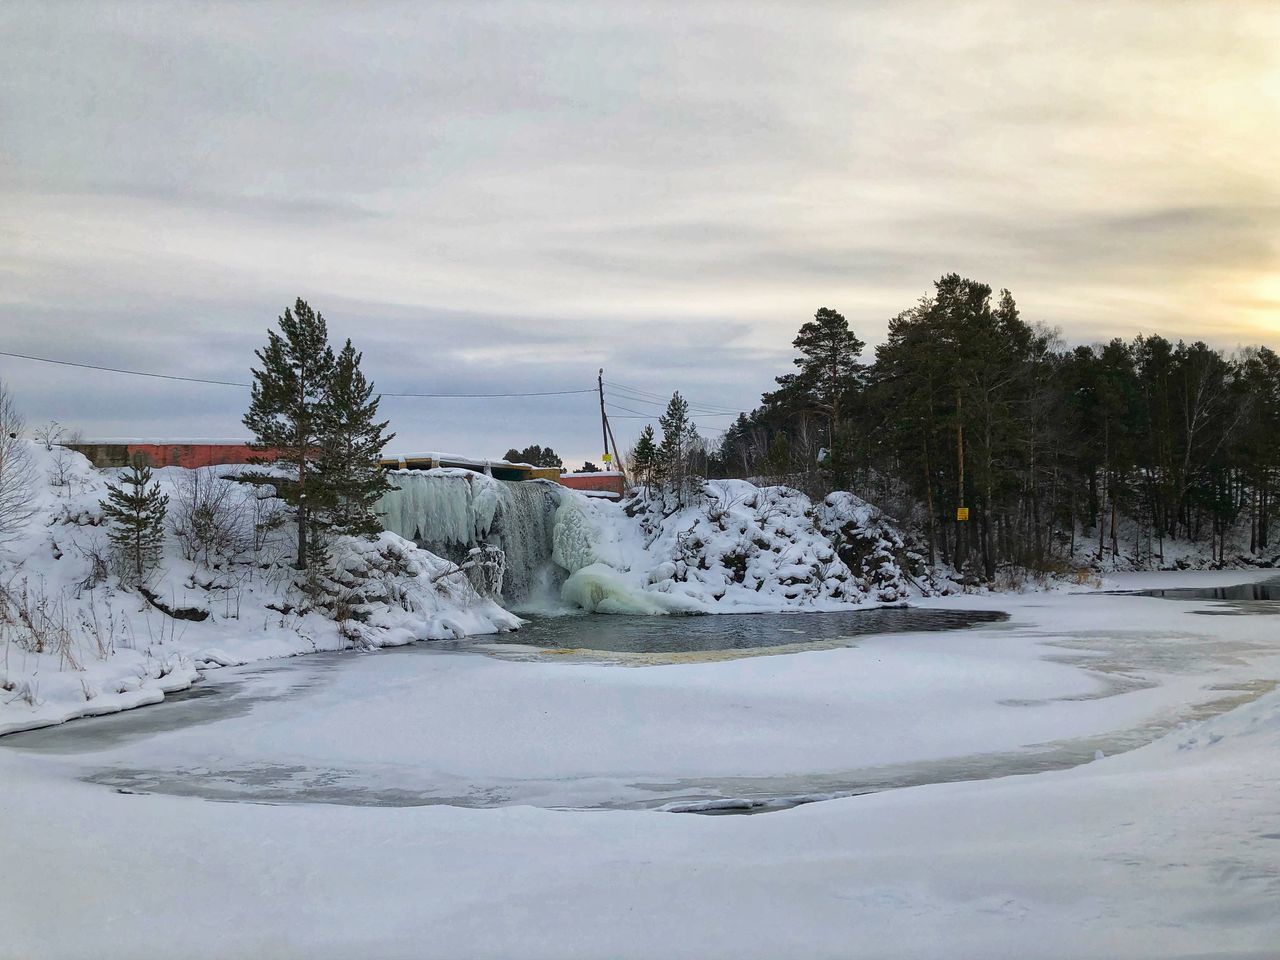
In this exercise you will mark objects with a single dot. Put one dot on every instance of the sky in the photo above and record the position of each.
(494, 197)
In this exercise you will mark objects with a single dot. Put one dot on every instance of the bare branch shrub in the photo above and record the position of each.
(49, 435)
(61, 471)
(99, 558)
(17, 475)
(207, 517)
(38, 621)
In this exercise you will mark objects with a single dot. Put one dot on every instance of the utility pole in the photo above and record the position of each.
(604, 421)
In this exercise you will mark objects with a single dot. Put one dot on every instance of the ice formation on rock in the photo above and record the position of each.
(450, 512)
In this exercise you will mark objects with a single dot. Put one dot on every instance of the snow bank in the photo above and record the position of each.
(735, 547)
(74, 643)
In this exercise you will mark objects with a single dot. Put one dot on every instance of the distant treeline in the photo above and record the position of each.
(1128, 444)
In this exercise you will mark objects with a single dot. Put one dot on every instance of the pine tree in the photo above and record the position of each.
(285, 413)
(829, 378)
(351, 444)
(137, 513)
(644, 456)
(673, 460)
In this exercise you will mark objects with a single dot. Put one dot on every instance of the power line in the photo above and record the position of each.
(695, 406)
(654, 416)
(638, 392)
(132, 373)
(658, 398)
(235, 383)
(618, 406)
(483, 396)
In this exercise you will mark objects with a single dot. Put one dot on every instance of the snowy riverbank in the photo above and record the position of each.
(73, 643)
(77, 644)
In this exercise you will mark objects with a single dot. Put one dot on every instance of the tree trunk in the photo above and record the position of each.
(962, 538)
(928, 494)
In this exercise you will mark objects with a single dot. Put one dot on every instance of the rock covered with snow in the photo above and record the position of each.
(734, 547)
(868, 542)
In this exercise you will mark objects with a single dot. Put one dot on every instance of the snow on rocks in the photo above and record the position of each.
(867, 541)
(735, 547)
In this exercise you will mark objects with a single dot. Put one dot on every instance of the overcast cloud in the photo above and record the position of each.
(491, 196)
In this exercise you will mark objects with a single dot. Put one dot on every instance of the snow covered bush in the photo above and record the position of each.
(386, 590)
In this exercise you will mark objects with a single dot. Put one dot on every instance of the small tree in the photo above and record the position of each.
(678, 435)
(285, 412)
(50, 435)
(17, 475)
(351, 446)
(136, 512)
(588, 467)
(644, 456)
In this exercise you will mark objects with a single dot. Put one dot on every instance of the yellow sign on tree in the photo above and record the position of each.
(962, 513)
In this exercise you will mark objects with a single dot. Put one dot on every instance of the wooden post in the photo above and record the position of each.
(604, 421)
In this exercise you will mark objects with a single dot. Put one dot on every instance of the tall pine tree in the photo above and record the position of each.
(285, 413)
(829, 377)
(136, 512)
(351, 443)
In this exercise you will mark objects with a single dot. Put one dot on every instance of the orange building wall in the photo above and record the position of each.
(611, 482)
(193, 454)
(167, 454)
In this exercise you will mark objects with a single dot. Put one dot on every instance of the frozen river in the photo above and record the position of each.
(659, 713)
(500, 797)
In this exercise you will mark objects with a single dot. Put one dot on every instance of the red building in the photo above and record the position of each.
(608, 481)
(166, 453)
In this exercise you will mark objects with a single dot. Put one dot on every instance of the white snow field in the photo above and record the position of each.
(432, 802)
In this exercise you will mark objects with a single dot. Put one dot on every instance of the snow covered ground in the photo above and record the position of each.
(1168, 850)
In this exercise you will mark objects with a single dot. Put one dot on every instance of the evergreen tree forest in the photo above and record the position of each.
(1109, 452)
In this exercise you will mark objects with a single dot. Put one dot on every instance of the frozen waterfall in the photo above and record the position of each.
(450, 512)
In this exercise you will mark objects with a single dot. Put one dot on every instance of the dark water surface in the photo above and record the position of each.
(746, 631)
(1262, 597)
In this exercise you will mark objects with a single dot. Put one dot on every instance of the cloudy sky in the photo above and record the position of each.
(497, 196)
